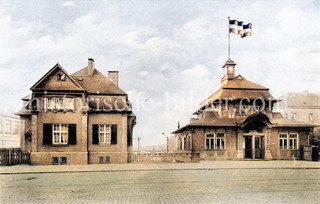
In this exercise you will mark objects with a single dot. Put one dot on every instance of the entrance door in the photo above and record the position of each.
(248, 147)
(258, 148)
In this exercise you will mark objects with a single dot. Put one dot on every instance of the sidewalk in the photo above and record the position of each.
(203, 165)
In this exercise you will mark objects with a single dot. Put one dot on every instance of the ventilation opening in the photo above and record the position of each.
(59, 160)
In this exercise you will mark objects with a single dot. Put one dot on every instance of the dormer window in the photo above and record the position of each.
(61, 77)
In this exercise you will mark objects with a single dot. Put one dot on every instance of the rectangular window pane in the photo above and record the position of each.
(293, 136)
(207, 143)
(56, 137)
(283, 135)
(212, 143)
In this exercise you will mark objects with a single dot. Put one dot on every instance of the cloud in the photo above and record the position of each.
(169, 53)
(68, 4)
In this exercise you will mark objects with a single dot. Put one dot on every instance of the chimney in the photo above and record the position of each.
(113, 76)
(90, 66)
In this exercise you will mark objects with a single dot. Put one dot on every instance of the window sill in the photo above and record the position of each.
(215, 149)
(59, 145)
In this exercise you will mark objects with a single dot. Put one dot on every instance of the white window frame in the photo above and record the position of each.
(295, 147)
(283, 141)
(211, 138)
(222, 140)
(60, 134)
(104, 134)
(8, 126)
(59, 103)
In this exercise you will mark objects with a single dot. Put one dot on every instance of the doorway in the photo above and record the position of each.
(254, 147)
(259, 147)
(248, 147)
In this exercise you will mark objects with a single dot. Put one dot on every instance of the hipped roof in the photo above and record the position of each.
(97, 83)
(212, 119)
(237, 89)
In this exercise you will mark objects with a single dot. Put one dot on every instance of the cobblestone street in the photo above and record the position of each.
(165, 186)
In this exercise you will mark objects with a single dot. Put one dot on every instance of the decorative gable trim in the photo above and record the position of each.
(57, 66)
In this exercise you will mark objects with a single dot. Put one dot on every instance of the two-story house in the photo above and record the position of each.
(82, 118)
(238, 122)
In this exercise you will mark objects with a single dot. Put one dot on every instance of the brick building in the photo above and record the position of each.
(82, 118)
(238, 122)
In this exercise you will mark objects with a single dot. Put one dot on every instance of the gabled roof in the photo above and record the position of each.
(97, 83)
(40, 85)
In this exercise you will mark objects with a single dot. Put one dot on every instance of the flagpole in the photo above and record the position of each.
(228, 37)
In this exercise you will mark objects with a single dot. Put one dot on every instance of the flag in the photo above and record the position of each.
(240, 23)
(233, 27)
(247, 30)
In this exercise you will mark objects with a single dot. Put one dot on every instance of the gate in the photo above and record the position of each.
(10, 157)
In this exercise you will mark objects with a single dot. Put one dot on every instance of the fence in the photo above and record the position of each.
(10, 157)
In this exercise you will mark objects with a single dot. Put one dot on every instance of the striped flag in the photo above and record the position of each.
(238, 28)
(247, 30)
(233, 27)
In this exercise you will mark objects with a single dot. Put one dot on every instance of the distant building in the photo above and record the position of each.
(82, 118)
(304, 107)
(9, 131)
(238, 122)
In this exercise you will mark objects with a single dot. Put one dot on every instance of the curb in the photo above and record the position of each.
(168, 169)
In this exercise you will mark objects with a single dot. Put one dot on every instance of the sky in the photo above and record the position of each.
(169, 54)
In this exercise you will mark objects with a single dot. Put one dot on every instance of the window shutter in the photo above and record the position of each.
(95, 134)
(47, 134)
(72, 134)
(113, 134)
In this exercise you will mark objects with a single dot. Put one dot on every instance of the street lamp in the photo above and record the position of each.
(167, 141)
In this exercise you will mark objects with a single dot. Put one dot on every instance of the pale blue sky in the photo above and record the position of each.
(167, 52)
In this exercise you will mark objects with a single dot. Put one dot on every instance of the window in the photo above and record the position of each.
(310, 117)
(61, 77)
(220, 141)
(55, 160)
(59, 103)
(101, 160)
(107, 160)
(293, 116)
(104, 134)
(60, 134)
(293, 141)
(209, 141)
(283, 140)
(180, 142)
(213, 142)
(15, 127)
(8, 126)
(59, 160)
(63, 160)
